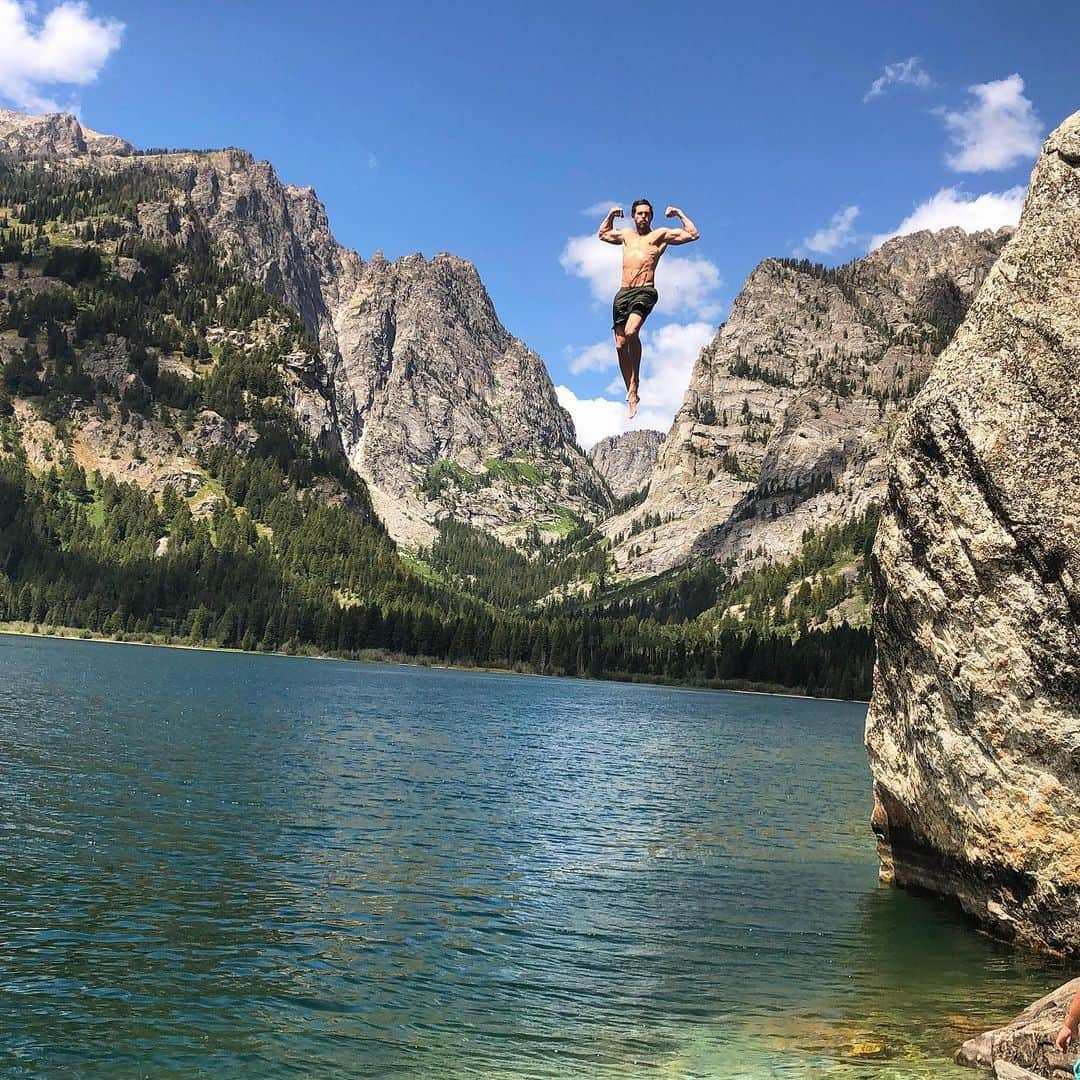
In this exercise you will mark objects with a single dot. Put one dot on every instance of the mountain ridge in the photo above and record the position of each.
(280, 235)
(789, 408)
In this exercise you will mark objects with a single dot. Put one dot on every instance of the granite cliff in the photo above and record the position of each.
(790, 407)
(627, 461)
(414, 378)
(973, 733)
(51, 136)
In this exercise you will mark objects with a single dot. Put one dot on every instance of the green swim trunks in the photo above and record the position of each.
(639, 298)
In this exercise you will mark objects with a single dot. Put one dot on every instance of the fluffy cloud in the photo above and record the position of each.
(69, 47)
(999, 130)
(688, 284)
(599, 209)
(598, 263)
(952, 206)
(597, 357)
(685, 284)
(909, 72)
(668, 356)
(597, 418)
(837, 234)
(667, 359)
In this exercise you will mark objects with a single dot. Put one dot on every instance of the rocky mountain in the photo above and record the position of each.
(790, 407)
(443, 410)
(194, 376)
(51, 136)
(414, 379)
(627, 461)
(973, 733)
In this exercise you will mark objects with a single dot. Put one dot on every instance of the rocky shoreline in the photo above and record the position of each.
(1024, 1047)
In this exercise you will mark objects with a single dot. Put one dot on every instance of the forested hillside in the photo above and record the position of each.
(156, 482)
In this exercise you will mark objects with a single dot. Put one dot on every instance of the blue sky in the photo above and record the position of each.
(488, 129)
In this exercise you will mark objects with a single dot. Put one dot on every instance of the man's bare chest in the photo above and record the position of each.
(641, 250)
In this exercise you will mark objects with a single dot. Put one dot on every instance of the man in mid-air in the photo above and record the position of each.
(642, 247)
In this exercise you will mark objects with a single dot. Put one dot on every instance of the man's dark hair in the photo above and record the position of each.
(641, 202)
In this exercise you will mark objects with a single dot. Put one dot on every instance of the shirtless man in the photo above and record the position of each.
(642, 247)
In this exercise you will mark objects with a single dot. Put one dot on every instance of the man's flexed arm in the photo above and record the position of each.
(686, 234)
(607, 232)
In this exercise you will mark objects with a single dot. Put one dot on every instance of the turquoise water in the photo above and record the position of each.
(220, 865)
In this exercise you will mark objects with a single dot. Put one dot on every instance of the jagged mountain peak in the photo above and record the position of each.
(789, 408)
(432, 396)
(627, 461)
(54, 135)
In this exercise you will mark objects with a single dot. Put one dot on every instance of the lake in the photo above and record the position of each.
(223, 865)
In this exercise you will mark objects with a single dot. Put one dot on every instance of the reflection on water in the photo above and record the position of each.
(235, 866)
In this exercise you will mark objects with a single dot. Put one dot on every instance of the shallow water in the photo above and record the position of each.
(218, 865)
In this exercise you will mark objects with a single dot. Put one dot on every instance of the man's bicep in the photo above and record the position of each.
(678, 236)
(612, 236)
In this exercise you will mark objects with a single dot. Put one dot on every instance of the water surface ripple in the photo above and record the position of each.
(244, 866)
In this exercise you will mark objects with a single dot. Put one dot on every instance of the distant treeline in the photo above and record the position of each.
(88, 552)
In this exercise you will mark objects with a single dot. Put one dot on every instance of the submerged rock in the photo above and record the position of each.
(1025, 1046)
(973, 733)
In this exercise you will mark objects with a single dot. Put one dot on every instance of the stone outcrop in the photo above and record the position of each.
(415, 380)
(789, 409)
(973, 733)
(1025, 1046)
(53, 135)
(627, 461)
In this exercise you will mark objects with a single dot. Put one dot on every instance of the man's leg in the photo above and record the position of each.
(625, 365)
(632, 370)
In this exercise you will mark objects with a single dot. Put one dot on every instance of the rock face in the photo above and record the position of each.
(1027, 1043)
(790, 407)
(973, 732)
(627, 461)
(53, 135)
(442, 410)
(415, 380)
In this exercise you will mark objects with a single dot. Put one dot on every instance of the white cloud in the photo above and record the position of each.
(599, 209)
(837, 234)
(598, 263)
(70, 47)
(685, 284)
(597, 418)
(372, 161)
(667, 359)
(999, 130)
(668, 356)
(597, 357)
(952, 206)
(909, 72)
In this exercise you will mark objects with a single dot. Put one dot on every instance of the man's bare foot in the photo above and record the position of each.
(633, 399)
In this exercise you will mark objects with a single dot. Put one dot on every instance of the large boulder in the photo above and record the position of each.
(973, 733)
